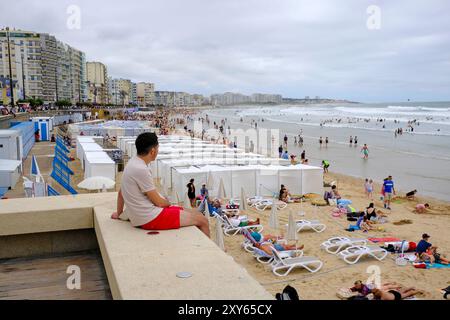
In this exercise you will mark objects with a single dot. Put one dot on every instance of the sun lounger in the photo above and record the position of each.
(267, 204)
(265, 258)
(315, 225)
(249, 242)
(336, 244)
(352, 254)
(230, 230)
(312, 264)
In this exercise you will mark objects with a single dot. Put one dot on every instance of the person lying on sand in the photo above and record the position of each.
(365, 289)
(421, 208)
(393, 294)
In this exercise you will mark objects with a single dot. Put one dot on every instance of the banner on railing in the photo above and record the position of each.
(52, 192)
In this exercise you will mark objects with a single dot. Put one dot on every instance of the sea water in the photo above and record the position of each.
(417, 160)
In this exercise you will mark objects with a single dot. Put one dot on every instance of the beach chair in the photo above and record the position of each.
(315, 225)
(264, 258)
(249, 242)
(352, 254)
(267, 204)
(336, 244)
(230, 230)
(254, 200)
(312, 264)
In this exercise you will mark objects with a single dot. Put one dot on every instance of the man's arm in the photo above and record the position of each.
(120, 205)
(156, 199)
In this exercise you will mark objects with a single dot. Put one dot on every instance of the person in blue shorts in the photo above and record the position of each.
(389, 190)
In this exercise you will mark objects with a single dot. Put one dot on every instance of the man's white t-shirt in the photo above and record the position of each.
(137, 180)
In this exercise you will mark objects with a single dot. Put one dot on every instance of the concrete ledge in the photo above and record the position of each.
(23, 216)
(138, 266)
(141, 266)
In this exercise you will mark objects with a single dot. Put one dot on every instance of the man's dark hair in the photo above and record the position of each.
(145, 142)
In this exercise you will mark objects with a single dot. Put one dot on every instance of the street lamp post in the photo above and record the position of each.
(11, 84)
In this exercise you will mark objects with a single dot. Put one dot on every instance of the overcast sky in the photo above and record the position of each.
(295, 48)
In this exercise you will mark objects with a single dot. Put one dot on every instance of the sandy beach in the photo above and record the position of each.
(336, 273)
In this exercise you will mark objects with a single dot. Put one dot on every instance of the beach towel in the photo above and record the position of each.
(344, 202)
(353, 228)
(437, 266)
(376, 240)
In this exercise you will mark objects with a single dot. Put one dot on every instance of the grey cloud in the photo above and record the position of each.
(291, 47)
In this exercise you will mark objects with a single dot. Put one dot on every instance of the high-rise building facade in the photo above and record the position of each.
(42, 67)
(121, 91)
(97, 82)
(145, 94)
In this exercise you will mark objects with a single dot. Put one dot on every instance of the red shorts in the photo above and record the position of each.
(169, 218)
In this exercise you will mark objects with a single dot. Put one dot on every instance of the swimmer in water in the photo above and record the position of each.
(365, 151)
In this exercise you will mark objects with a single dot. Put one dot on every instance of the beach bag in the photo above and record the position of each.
(289, 293)
(401, 260)
(332, 202)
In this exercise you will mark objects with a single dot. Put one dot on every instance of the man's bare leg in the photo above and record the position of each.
(192, 217)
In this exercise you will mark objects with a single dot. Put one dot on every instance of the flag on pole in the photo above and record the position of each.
(35, 167)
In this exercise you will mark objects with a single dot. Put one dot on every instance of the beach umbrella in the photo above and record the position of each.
(187, 202)
(210, 181)
(221, 192)
(243, 200)
(301, 212)
(96, 183)
(292, 230)
(177, 196)
(273, 218)
(207, 212)
(219, 235)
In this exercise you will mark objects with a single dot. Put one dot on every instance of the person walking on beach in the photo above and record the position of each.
(368, 186)
(295, 140)
(303, 156)
(365, 151)
(280, 151)
(285, 140)
(191, 192)
(389, 191)
(326, 142)
(351, 140)
(356, 140)
(320, 142)
(145, 207)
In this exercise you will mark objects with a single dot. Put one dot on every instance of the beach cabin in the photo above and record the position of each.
(11, 145)
(99, 164)
(44, 125)
(10, 172)
(26, 130)
(88, 147)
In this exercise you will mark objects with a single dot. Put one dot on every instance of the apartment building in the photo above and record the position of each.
(42, 67)
(97, 82)
(145, 94)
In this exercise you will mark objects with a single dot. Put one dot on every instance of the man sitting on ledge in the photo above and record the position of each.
(145, 207)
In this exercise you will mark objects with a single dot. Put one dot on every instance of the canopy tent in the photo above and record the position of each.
(88, 147)
(79, 141)
(97, 164)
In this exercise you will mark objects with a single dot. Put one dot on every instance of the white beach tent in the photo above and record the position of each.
(79, 141)
(312, 179)
(97, 165)
(88, 147)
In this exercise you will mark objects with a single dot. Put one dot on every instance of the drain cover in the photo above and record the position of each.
(184, 274)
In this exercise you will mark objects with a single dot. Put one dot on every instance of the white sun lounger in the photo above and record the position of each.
(264, 258)
(336, 244)
(230, 230)
(315, 225)
(248, 243)
(352, 254)
(267, 204)
(312, 264)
